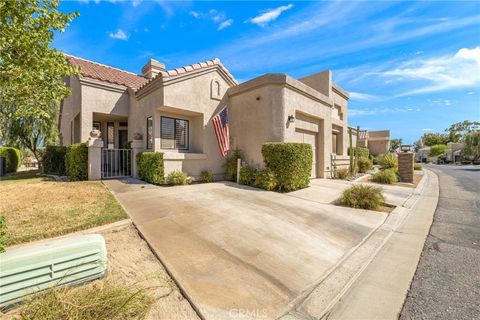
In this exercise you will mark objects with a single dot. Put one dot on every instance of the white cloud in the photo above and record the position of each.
(194, 14)
(225, 24)
(136, 3)
(441, 73)
(367, 111)
(120, 34)
(471, 92)
(362, 96)
(218, 17)
(427, 129)
(269, 15)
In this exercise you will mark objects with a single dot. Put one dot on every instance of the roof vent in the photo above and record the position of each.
(152, 68)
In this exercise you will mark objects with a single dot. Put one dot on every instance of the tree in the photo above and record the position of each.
(395, 144)
(432, 139)
(437, 150)
(31, 71)
(457, 131)
(471, 145)
(417, 145)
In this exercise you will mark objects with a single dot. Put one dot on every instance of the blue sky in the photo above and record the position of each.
(412, 67)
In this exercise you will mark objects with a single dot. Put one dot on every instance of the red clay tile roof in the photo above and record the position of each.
(102, 72)
(171, 74)
(106, 73)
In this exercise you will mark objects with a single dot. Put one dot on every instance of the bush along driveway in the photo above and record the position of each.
(240, 252)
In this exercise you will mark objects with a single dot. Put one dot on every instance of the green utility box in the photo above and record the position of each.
(33, 268)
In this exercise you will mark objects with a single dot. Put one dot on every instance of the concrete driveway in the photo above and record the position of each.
(239, 252)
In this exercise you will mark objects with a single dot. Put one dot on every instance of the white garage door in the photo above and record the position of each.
(310, 138)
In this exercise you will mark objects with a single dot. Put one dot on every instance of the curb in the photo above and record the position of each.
(386, 279)
(322, 299)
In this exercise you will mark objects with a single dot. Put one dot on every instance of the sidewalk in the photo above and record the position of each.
(374, 281)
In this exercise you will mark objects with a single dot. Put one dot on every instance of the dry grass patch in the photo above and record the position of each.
(38, 207)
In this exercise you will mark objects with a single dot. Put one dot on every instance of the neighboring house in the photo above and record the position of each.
(453, 152)
(377, 142)
(422, 154)
(172, 110)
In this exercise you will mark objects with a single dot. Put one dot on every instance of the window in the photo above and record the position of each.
(173, 133)
(149, 133)
(96, 125)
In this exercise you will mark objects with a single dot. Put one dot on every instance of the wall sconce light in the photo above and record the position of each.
(405, 147)
(291, 119)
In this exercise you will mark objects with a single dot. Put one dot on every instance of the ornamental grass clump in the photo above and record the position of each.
(387, 176)
(206, 176)
(364, 164)
(98, 300)
(342, 173)
(417, 166)
(177, 178)
(388, 161)
(363, 197)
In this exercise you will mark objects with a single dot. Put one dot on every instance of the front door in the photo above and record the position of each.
(123, 139)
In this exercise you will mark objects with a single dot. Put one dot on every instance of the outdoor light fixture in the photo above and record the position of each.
(291, 119)
(405, 147)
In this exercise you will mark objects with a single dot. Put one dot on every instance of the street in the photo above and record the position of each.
(446, 284)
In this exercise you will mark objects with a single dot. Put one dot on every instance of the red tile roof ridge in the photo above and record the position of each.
(103, 65)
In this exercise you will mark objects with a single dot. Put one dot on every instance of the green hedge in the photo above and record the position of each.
(231, 164)
(54, 160)
(3, 234)
(291, 163)
(361, 152)
(13, 157)
(150, 167)
(247, 175)
(76, 162)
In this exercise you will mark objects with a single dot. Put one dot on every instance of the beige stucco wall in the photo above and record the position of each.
(260, 108)
(189, 98)
(101, 98)
(70, 108)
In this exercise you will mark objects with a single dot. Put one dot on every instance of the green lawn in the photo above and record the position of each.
(39, 207)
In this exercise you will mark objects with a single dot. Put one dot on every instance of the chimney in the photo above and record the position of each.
(152, 68)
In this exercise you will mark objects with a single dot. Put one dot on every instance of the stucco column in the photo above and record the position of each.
(405, 166)
(95, 145)
(137, 146)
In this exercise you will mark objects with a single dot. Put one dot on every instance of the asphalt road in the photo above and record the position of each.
(446, 284)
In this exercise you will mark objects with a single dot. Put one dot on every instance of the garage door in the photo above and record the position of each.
(310, 138)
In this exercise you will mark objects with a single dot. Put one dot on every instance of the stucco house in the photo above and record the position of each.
(171, 112)
(377, 142)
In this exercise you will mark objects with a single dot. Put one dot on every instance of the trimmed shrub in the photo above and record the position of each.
(150, 167)
(387, 176)
(341, 173)
(76, 162)
(266, 180)
(437, 151)
(206, 176)
(364, 164)
(361, 196)
(290, 162)
(248, 175)
(54, 160)
(360, 151)
(177, 178)
(417, 166)
(388, 161)
(231, 164)
(13, 157)
(3, 234)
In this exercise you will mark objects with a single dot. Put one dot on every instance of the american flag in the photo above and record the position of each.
(220, 124)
